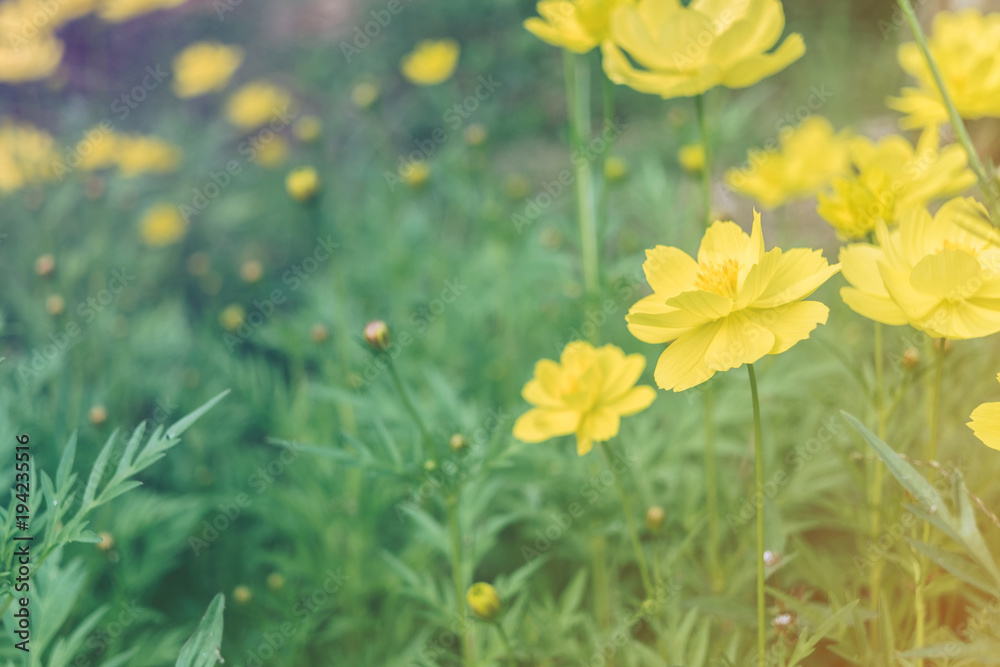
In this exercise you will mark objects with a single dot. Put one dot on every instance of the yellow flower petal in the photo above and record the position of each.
(540, 424)
(792, 323)
(986, 424)
(669, 271)
(682, 364)
(740, 340)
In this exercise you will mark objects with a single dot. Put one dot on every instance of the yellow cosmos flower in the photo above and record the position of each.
(940, 275)
(137, 154)
(964, 46)
(257, 103)
(810, 156)
(117, 11)
(731, 307)
(28, 59)
(302, 184)
(205, 67)
(162, 225)
(986, 423)
(431, 62)
(692, 158)
(685, 51)
(890, 178)
(575, 25)
(586, 393)
(27, 156)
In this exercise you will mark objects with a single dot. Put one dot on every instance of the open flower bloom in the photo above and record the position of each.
(809, 158)
(575, 25)
(891, 178)
(986, 423)
(731, 307)
(684, 51)
(205, 67)
(940, 275)
(586, 393)
(964, 46)
(431, 62)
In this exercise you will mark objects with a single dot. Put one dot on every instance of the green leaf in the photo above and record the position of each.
(185, 422)
(958, 565)
(66, 463)
(202, 648)
(97, 472)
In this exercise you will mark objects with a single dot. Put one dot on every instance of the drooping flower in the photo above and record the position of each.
(162, 225)
(586, 393)
(685, 51)
(986, 423)
(890, 178)
(431, 62)
(939, 274)
(575, 25)
(117, 11)
(806, 160)
(731, 307)
(205, 67)
(257, 103)
(964, 46)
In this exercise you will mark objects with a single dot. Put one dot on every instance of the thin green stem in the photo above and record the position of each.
(608, 90)
(404, 397)
(961, 133)
(506, 644)
(712, 491)
(640, 555)
(706, 144)
(934, 408)
(758, 453)
(454, 528)
(877, 478)
(577, 69)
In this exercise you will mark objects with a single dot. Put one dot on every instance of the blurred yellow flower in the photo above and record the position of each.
(586, 393)
(28, 156)
(162, 225)
(256, 103)
(575, 25)
(416, 174)
(516, 186)
(484, 601)
(272, 153)
(364, 94)
(475, 134)
(615, 169)
(28, 59)
(117, 11)
(97, 149)
(692, 158)
(307, 129)
(431, 62)
(685, 51)
(302, 184)
(891, 177)
(964, 46)
(939, 274)
(232, 317)
(810, 157)
(986, 423)
(137, 154)
(731, 307)
(205, 67)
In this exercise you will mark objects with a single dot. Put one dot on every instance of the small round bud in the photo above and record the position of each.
(365, 94)
(302, 184)
(107, 541)
(458, 442)
(98, 415)
(307, 129)
(484, 601)
(615, 169)
(911, 358)
(55, 305)
(654, 518)
(251, 271)
(232, 317)
(692, 158)
(275, 581)
(319, 333)
(430, 465)
(416, 174)
(45, 265)
(377, 335)
(242, 594)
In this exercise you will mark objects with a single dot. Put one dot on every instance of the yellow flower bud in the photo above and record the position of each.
(654, 518)
(251, 271)
(307, 129)
(615, 169)
(242, 594)
(45, 265)
(458, 442)
(55, 305)
(107, 541)
(318, 333)
(692, 158)
(377, 335)
(98, 414)
(364, 94)
(484, 601)
(275, 581)
(232, 317)
(302, 184)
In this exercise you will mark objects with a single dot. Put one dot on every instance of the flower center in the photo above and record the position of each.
(720, 278)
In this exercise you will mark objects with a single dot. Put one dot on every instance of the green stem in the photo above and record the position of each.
(758, 453)
(934, 409)
(454, 528)
(404, 397)
(506, 644)
(577, 69)
(608, 90)
(706, 172)
(712, 491)
(878, 475)
(640, 555)
(961, 133)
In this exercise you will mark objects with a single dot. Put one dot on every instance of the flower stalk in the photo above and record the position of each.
(758, 451)
(640, 555)
(577, 71)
